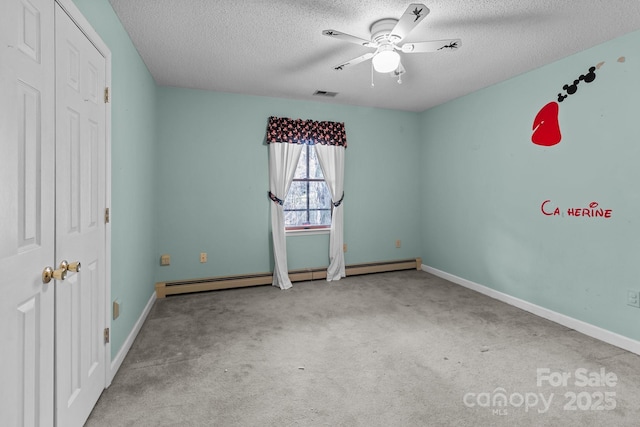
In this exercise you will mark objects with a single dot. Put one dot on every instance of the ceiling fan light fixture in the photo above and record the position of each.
(386, 59)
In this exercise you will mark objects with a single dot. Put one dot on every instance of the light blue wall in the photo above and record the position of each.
(213, 183)
(483, 181)
(133, 156)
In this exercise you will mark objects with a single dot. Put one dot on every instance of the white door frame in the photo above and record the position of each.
(74, 13)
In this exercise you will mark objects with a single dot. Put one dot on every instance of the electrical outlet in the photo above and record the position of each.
(633, 298)
(344, 247)
(203, 257)
(165, 259)
(398, 243)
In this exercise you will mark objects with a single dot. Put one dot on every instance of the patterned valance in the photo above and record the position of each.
(298, 131)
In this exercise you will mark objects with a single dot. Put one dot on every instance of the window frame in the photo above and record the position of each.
(308, 228)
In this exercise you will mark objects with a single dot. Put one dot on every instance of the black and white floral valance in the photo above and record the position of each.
(298, 131)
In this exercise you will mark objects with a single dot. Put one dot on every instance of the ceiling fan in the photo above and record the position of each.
(386, 36)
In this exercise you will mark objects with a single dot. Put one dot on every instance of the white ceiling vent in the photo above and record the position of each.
(325, 93)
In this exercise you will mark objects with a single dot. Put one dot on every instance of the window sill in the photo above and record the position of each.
(307, 231)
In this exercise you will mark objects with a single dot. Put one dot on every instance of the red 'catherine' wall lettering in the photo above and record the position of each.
(593, 211)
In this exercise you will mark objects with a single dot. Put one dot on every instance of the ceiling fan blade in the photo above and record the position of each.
(411, 17)
(354, 61)
(349, 38)
(432, 46)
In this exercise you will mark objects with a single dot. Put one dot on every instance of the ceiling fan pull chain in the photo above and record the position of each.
(372, 85)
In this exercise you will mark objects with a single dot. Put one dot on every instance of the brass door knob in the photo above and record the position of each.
(73, 266)
(49, 273)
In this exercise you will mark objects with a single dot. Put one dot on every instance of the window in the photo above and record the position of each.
(308, 203)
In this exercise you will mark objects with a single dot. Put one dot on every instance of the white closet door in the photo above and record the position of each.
(26, 212)
(80, 223)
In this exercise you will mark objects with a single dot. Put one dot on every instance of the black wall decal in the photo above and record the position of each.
(573, 87)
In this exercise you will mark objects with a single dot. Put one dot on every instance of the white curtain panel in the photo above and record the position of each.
(283, 160)
(331, 158)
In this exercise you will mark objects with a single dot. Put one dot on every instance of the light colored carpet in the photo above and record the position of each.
(393, 349)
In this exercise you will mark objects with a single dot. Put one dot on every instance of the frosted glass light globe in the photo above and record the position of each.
(386, 60)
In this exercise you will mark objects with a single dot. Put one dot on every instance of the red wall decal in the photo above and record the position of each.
(546, 128)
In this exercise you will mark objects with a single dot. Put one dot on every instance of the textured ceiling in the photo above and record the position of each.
(276, 48)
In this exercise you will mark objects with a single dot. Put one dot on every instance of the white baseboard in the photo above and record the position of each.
(580, 326)
(117, 361)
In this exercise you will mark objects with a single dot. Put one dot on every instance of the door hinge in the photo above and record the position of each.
(107, 216)
(106, 95)
(106, 335)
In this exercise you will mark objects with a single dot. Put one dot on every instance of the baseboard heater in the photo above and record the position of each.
(240, 281)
